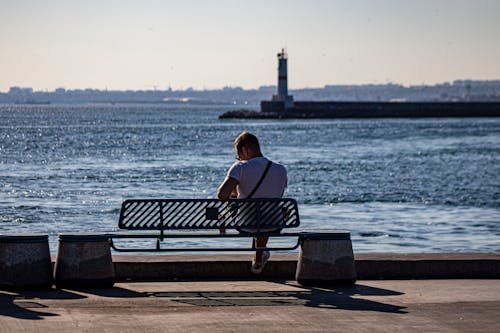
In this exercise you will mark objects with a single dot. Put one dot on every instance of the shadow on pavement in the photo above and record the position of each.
(23, 304)
(116, 292)
(342, 298)
(334, 298)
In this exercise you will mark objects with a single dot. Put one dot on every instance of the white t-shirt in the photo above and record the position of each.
(248, 173)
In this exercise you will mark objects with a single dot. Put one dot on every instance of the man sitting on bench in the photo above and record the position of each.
(253, 176)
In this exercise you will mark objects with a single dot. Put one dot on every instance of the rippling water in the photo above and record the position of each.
(399, 185)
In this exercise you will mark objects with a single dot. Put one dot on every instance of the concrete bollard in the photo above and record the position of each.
(326, 258)
(25, 261)
(83, 260)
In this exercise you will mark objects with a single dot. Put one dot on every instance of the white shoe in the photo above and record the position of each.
(258, 268)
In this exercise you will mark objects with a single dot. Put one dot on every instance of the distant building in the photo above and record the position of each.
(19, 90)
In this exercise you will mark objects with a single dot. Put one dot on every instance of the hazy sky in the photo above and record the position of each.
(216, 43)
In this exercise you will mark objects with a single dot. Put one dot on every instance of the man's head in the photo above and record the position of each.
(247, 146)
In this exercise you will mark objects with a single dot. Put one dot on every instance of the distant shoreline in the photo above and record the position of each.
(456, 91)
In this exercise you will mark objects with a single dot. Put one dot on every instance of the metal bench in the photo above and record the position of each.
(325, 256)
(185, 218)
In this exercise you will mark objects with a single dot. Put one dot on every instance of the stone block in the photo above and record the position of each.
(326, 258)
(83, 260)
(25, 261)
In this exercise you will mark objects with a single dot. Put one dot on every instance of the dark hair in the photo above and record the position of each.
(247, 140)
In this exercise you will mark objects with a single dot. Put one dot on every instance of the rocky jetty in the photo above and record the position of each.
(302, 110)
(248, 114)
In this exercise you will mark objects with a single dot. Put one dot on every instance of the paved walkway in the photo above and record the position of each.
(258, 306)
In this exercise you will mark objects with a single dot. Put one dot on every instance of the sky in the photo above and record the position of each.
(141, 45)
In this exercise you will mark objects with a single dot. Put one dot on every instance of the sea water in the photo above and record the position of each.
(398, 185)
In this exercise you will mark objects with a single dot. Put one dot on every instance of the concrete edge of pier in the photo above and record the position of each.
(283, 266)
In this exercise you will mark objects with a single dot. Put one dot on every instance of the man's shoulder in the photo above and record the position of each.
(279, 165)
(236, 165)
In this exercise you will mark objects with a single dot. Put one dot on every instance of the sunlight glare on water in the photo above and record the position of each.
(398, 185)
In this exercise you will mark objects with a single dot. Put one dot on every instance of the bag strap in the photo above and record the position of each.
(260, 180)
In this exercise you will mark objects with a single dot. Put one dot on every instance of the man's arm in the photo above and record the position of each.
(227, 188)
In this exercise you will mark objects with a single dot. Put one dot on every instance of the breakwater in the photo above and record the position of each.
(270, 109)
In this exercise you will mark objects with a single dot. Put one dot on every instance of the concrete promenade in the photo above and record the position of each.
(258, 306)
(198, 293)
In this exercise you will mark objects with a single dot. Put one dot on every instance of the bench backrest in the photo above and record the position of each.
(163, 214)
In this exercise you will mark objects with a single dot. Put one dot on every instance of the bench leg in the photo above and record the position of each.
(324, 261)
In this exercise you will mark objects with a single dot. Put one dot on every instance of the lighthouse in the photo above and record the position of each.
(282, 93)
